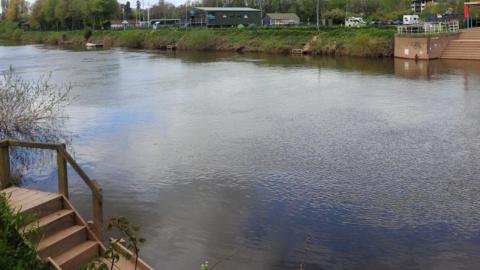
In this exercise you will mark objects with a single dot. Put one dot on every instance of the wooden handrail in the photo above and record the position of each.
(63, 157)
(51, 146)
(60, 148)
(95, 190)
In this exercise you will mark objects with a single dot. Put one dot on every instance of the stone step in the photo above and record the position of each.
(460, 58)
(463, 56)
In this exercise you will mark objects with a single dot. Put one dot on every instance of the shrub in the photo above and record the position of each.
(200, 40)
(87, 33)
(17, 251)
(29, 105)
(337, 15)
(131, 38)
(17, 34)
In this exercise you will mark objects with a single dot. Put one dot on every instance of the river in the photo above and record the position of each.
(273, 162)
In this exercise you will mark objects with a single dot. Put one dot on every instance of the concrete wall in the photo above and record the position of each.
(431, 47)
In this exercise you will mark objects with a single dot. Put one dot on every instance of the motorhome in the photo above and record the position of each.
(354, 22)
(411, 19)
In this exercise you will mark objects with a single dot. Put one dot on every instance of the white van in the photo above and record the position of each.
(411, 19)
(354, 22)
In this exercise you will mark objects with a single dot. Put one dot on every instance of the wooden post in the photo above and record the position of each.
(62, 173)
(5, 178)
(97, 205)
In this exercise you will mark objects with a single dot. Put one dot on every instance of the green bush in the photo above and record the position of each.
(200, 40)
(130, 38)
(16, 251)
(17, 34)
(7, 28)
(87, 33)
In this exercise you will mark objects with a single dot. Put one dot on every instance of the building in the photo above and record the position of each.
(281, 19)
(121, 24)
(419, 5)
(225, 16)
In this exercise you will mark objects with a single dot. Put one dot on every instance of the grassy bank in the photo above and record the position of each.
(16, 252)
(368, 41)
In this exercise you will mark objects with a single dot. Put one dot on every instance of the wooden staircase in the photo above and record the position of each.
(466, 47)
(66, 241)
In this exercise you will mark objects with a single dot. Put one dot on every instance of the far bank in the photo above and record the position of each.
(367, 41)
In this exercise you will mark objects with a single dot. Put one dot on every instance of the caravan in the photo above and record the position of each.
(354, 22)
(411, 19)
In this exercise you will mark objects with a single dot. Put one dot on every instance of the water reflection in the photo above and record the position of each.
(31, 111)
(239, 159)
(435, 69)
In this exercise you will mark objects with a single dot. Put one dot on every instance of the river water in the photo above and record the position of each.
(260, 162)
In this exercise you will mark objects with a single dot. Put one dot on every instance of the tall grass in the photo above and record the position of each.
(199, 40)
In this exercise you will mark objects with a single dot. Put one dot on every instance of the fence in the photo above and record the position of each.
(429, 28)
(63, 158)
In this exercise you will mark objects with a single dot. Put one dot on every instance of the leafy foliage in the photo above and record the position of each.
(126, 230)
(204, 266)
(18, 251)
(87, 33)
(17, 10)
(129, 231)
(72, 14)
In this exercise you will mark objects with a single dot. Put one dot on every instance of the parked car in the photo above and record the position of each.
(354, 22)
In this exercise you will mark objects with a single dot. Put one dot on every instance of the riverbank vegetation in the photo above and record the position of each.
(17, 251)
(64, 22)
(368, 41)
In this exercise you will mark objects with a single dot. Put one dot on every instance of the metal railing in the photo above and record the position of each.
(429, 28)
(63, 158)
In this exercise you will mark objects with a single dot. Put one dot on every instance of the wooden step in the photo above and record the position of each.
(109, 263)
(78, 255)
(58, 242)
(54, 222)
(41, 205)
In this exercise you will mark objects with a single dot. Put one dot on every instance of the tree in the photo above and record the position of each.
(3, 6)
(103, 10)
(49, 13)
(17, 10)
(37, 18)
(128, 11)
(336, 15)
(68, 13)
